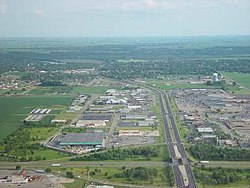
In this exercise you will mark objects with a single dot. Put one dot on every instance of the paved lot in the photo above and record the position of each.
(47, 180)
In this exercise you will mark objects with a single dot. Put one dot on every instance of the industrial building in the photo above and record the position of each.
(205, 130)
(133, 117)
(82, 139)
(91, 123)
(130, 133)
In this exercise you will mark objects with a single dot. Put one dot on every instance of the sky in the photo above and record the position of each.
(123, 18)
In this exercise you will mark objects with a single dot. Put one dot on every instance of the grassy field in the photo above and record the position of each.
(42, 90)
(76, 184)
(14, 110)
(232, 185)
(42, 133)
(71, 90)
(48, 154)
(240, 78)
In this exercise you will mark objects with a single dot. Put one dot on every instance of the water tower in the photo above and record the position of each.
(215, 77)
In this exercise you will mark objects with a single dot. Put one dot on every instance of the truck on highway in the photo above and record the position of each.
(56, 165)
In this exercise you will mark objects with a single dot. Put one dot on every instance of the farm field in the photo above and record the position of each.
(14, 110)
(68, 90)
(240, 78)
(42, 90)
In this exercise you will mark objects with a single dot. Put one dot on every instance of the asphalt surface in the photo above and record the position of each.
(44, 164)
(178, 175)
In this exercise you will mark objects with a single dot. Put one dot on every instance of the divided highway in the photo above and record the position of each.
(182, 170)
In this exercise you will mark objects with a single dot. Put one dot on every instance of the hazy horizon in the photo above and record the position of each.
(124, 18)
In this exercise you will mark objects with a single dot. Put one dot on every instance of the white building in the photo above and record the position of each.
(215, 77)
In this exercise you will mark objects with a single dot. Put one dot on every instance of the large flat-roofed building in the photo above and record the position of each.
(205, 130)
(82, 139)
(91, 123)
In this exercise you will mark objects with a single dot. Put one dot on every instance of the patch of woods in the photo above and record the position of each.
(124, 153)
(210, 152)
(22, 145)
(219, 176)
(139, 173)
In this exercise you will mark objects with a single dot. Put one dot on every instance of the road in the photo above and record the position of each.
(44, 164)
(167, 113)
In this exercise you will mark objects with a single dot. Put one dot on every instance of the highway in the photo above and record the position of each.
(181, 167)
(45, 164)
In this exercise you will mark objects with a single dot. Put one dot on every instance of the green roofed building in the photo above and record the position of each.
(82, 139)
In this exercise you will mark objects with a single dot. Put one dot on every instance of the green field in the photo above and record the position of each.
(14, 110)
(71, 90)
(229, 164)
(240, 78)
(42, 90)
(165, 86)
(232, 185)
(48, 154)
(42, 133)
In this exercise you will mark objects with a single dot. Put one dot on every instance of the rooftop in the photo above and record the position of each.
(82, 138)
(205, 130)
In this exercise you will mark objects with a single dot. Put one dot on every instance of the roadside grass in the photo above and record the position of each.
(48, 154)
(180, 127)
(229, 164)
(162, 137)
(76, 184)
(14, 92)
(231, 185)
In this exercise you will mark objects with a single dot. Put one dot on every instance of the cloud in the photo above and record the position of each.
(2, 6)
(149, 5)
(144, 5)
(38, 12)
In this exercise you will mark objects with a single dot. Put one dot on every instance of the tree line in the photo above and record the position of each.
(121, 154)
(139, 173)
(210, 152)
(220, 176)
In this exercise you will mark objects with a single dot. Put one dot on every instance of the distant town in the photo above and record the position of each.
(124, 115)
